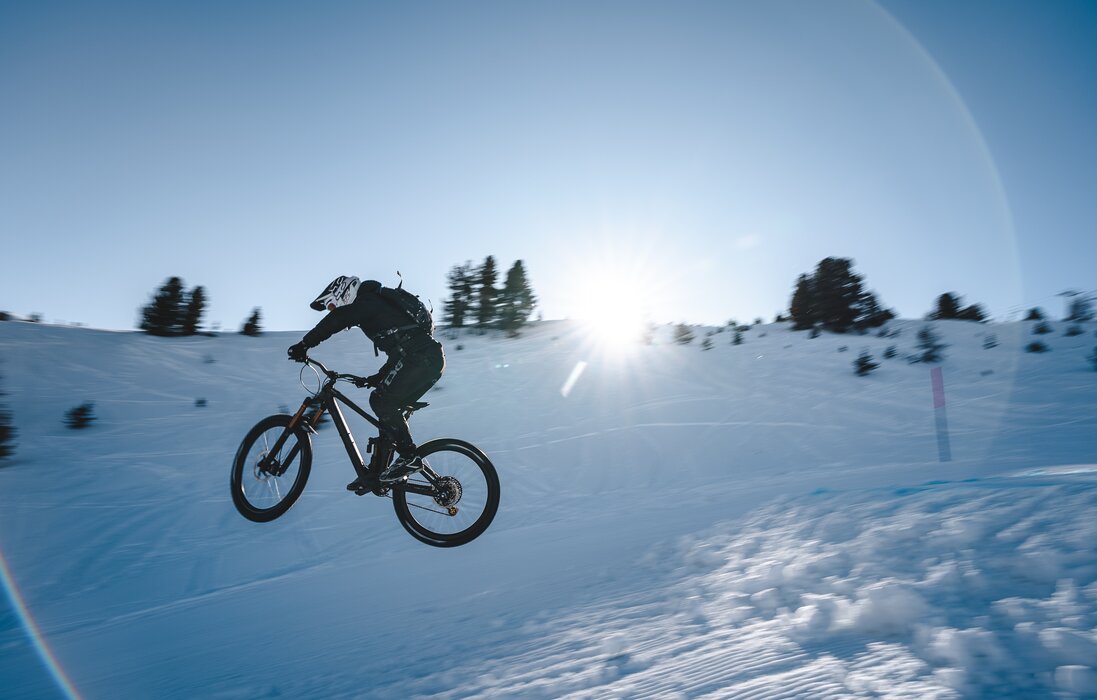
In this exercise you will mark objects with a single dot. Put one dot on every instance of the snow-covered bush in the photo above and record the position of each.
(930, 344)
(990, 341)
(1036, 346)
(737, 339)
(864, 364)
(1042, 328)
(890, 352)
(1073, 330)
(683, 335)
(706, 344)
(80, 416)
(7, 432)
(252, 325)
(199, 403)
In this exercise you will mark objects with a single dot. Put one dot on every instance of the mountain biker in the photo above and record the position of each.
(415, 361)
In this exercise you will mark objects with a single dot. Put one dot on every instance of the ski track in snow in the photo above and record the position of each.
(748, 522)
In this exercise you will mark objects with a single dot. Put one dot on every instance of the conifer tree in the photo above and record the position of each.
(192, 314)
(486, 293)
(948, 307)
(869, 313)
(516, 301)
(1035, 314)
(162, 315)
(838, 292)
(834, 297)
(973, 312)
(802, 308)
(251, 326)
(458, 307)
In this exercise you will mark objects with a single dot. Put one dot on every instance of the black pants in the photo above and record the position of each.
(406, 381)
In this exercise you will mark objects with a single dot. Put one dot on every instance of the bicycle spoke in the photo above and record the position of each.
(429, 510)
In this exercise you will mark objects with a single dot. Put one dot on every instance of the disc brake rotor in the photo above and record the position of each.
(448, 492)
(260, 473)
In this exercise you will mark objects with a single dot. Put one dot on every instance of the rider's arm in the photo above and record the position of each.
(338, 320)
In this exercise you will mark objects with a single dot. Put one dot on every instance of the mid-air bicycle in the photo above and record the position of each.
(450, 501)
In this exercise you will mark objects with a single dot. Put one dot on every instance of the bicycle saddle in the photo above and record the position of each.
(415, 406)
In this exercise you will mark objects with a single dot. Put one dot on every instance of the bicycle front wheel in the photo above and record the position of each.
(463, 500)
(266, 482)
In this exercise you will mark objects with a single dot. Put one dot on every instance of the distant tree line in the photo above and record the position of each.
(476, 300)
(173, 311)
(834, 298)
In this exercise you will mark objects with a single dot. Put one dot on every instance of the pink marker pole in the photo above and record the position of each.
(944, 451)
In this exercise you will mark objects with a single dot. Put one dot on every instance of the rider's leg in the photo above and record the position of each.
(410, 378)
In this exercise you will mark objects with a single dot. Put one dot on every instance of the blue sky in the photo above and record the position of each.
(708, 152)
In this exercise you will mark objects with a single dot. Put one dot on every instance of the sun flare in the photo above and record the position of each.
(614, 310)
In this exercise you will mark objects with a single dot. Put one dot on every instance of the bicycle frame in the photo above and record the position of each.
(328, 400)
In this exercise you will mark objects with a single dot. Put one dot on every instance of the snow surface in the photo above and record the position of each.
(752, 521)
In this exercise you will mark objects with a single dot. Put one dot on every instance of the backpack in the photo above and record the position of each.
(410, 306)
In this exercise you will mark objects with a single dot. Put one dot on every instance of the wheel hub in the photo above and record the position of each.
(448, 492)
(265, 467)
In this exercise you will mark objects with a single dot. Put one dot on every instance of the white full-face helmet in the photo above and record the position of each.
(342, 291)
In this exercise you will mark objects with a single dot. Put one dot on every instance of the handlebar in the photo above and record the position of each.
(330, 374)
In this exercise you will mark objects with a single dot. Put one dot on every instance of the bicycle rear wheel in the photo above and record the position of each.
(464, 500)
(264, 483)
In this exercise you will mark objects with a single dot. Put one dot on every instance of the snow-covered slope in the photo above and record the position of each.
(748, 521)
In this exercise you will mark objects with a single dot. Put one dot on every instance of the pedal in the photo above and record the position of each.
(362, 486)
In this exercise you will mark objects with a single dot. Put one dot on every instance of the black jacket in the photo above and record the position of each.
(376, 317)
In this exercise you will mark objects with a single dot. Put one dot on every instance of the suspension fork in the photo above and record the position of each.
(268, 462)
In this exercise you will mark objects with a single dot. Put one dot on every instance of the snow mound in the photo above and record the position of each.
(975, 589)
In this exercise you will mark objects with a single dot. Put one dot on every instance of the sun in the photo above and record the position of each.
(614, 309)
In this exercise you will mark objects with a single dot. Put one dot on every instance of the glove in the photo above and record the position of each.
(370, 381)
(298, 352)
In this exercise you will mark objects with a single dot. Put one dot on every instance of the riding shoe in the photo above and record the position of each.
(403, 466)
(363, 484)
